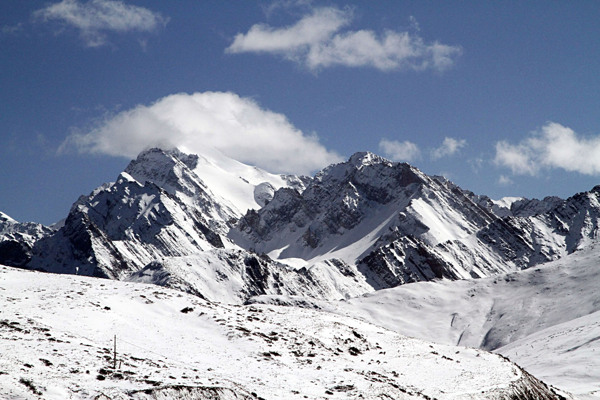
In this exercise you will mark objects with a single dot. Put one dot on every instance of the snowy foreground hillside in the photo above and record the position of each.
(58, 331)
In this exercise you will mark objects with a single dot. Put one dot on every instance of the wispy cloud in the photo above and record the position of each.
(409, 151)
(95, 18)
(236, 126)
(400, 151)
(320, 40)
(554, 146)
(449, 147)
(11, 29)
(505, 180)
(277, 5)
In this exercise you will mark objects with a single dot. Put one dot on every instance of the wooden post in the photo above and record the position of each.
(115, 355)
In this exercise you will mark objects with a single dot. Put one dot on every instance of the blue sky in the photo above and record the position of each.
(501, 97)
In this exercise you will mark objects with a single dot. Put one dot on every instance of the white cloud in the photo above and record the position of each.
(292, 41)
(236, 126)
(450, 146)
(318, 40)
(399, 151)
(519, 158)
(554, 146)
(96, 17)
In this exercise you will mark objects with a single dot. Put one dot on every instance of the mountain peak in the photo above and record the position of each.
(4, 218)
(158, 156)
(365, 158)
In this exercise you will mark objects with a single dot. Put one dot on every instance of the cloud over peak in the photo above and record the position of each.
(236, 126)
(319, 40)
(409, 151)
(553, 146)
(95, 18)
(400, 151)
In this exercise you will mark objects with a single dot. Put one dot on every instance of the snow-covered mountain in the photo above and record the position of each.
(161, 222)
(226, 231)
(394, 224)
(161, 212)
(57, 338)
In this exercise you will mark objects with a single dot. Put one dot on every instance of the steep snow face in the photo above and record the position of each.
(5, 220)
(58, 334)
(547, 319)
(230, 184)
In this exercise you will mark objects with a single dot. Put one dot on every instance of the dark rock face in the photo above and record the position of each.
(14, 253)
(367, 189)
(429, 228)
(406, 260)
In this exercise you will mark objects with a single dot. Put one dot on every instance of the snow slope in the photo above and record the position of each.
(547, 319)
(57, 333)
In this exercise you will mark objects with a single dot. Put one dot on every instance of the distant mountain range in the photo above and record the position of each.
(224, 231)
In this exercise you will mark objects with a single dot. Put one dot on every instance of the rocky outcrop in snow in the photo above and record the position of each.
(17, 240)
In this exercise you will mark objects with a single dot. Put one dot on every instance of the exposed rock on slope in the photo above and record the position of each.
(17, 240)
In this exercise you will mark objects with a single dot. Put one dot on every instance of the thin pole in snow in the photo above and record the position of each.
(115, 354)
